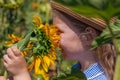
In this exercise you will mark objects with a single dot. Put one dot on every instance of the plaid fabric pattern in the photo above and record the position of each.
(95, 72)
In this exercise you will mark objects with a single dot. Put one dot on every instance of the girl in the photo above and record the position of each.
(76, 39)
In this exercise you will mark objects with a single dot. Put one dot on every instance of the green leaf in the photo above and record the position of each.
(106, 36)
(93, 8)
(39, 77)
(23, 43)
(76, 74)
(67, 64)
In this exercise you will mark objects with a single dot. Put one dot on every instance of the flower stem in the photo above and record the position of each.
(6, 73)
(117, 68)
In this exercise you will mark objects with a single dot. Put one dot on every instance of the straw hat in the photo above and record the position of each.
(98, 24)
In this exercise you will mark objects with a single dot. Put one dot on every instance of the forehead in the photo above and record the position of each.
(69, 20)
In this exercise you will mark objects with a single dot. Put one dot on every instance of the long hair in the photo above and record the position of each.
(106, 56)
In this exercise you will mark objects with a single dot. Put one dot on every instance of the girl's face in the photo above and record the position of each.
(70, 41)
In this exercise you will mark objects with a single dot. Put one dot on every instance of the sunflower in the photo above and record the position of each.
(35, 6)
(15, 39)
(45, 54)
(42, 44)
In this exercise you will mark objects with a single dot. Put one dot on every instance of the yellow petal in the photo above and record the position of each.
(44, 74)
(46, 63)
(31, 66)
(37, 20)
(37, 64)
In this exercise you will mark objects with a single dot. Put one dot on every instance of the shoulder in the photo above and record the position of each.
(95, 72)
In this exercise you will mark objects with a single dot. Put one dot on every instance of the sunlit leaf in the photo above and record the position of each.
(22, 43)
(106, 36)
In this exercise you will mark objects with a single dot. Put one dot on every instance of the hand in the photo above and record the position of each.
(2, 78)
(14, 61)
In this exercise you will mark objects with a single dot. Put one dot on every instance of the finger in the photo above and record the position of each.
(10, 53)
(5, 63)
(62, 27)
(6, 59)
(16, 51)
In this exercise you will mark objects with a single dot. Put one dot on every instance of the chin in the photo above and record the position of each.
(67, 57)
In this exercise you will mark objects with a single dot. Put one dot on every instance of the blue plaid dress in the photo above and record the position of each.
(94, 72)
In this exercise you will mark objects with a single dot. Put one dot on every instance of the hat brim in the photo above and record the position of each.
(98, 24)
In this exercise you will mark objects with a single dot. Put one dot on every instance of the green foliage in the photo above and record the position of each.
(38, 77)
(22, 43)
(41, 42)
(75, 74)
(106, 36)
(19, 20)
(16, 18)
(94, 8)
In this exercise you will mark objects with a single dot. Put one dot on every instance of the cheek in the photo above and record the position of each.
(65, 39)
(70, 43)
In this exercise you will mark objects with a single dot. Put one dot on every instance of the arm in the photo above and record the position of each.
(16, 64)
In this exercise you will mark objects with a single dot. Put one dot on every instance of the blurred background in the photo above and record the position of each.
(16, 18)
